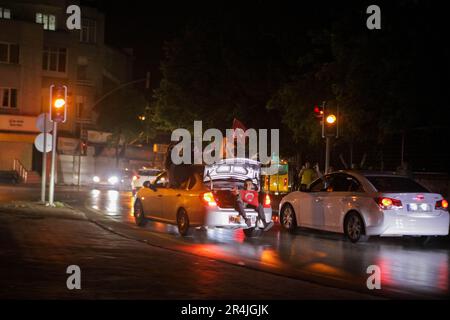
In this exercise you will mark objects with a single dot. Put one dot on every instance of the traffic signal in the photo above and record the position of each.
(58, 103)
(330, 125)
(318, 112)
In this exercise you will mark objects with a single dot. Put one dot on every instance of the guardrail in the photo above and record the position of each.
(20, 169)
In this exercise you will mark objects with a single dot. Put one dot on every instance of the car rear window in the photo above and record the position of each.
(149, 172)
(395, 184)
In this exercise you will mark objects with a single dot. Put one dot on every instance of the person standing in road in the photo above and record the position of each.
(306, 175)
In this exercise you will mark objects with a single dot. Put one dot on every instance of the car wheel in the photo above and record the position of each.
(183, 222)
(253, 232)
(354, 228)
(288, 219)
(139, 216)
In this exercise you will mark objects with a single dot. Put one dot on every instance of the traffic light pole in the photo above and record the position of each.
(44, 161)
(79, 156)
(327, 154)
(52, 173)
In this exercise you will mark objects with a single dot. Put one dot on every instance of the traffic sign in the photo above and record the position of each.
(39, 142)
(40, 123)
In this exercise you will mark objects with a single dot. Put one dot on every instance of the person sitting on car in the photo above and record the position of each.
(240, 206)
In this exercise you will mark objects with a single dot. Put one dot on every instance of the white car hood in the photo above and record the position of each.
(235, 168)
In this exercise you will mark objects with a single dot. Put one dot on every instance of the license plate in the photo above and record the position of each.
(235, 219)
(419, 207)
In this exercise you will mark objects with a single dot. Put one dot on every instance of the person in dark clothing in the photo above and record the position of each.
(240, 206)
(177, 173)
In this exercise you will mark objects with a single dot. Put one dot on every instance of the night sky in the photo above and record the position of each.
(145, 26)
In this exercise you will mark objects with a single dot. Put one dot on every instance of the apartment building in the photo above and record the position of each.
(37, 50)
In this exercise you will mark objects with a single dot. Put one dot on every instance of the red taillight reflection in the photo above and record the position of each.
(267, 201)
(388, 203)
(442, 205)
(208, 197)
(285, 182)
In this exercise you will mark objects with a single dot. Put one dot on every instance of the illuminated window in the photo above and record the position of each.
(54, 59)
(8, 98)
(88, 33)
(47, 20)
(9, 53)
(5, 13)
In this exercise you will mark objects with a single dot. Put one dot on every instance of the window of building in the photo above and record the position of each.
(47, 20)
(8, 98)
(88, 33)
(54, 59)
(5, 13)
(82, 68)
(9, 53)
(81, 107)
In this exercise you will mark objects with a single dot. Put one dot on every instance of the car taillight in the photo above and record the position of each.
(208, 198)
(442, 205)
(135, 178)
(388, 203)
(285, 182)
(267, 201)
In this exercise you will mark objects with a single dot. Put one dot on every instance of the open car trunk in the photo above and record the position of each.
(227, 174)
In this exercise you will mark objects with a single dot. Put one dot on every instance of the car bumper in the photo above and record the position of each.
(229, 218)
(395, 224)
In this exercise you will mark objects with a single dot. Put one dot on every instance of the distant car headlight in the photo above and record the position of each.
(113, 180)
(96, 179)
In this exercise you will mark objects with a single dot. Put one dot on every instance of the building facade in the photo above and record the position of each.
(37, 50)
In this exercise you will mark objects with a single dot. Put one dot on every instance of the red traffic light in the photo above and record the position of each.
(318, 111)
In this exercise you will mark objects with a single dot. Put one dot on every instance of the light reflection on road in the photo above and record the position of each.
(404, 267)
(323, 258)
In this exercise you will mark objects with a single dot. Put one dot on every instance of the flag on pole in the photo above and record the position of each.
(238, 125)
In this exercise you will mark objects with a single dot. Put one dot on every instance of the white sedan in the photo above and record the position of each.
(366, 204)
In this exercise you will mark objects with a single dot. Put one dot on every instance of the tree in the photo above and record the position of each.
(120, 114)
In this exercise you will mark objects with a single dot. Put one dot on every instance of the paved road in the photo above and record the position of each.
(408, 270)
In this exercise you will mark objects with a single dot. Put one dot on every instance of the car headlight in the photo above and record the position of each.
(96, 179)
(113, 180)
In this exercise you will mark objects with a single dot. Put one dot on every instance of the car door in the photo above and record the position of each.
(173, 200)
(153, 202)
(310, 211)
(342, 191)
